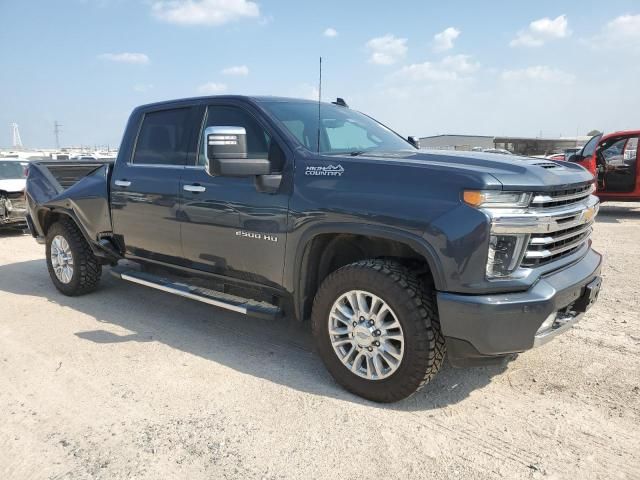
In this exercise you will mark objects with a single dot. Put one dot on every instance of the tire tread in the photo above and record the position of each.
(431, 349)
(85, 263)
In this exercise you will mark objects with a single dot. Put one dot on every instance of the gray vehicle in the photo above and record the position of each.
(13, 174)
(269, 206)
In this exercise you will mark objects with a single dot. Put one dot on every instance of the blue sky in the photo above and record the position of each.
(422, 67)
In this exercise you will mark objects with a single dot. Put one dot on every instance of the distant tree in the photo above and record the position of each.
(593, 133)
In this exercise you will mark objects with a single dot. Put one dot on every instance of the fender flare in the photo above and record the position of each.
(69, 213)
(417, 243)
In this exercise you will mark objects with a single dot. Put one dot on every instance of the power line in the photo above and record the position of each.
(15, 134)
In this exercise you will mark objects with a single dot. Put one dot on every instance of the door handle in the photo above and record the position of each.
(194, 188)
(122, 183)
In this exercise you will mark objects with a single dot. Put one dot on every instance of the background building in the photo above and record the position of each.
(518, 145)
(456, 142)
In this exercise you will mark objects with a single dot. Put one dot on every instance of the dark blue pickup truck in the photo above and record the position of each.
(268, 206)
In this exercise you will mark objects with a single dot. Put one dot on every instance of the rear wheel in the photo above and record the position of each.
(73, 267)
(377, 330)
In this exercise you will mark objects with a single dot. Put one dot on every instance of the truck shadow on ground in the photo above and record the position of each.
(7, 232)
(616, 213)
(279, 351)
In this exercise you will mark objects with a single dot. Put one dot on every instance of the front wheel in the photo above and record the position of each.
(377, 331)
(73, 267)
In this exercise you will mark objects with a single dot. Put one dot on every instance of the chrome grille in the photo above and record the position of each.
(547, 247)
(559, 198)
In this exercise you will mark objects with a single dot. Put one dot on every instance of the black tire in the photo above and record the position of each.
(415, 309)
(86, 267)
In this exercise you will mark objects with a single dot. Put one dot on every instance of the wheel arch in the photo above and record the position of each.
(324, 249)
(46, 217)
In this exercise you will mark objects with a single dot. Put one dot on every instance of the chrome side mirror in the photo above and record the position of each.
(227, 153)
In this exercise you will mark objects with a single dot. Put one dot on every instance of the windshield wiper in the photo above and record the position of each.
(355, 153)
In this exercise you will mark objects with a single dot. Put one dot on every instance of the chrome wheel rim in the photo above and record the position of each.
(61, 259)
(366, 335)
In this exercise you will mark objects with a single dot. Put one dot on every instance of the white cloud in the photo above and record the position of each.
(444, 40)
(542, 30)
(212, 88)
(387, 50)
(450, 68)
(125, 57)
(330, 32)
(622, 33)
(305, 90)
(539, 73)
(239, 70)
(203, 12)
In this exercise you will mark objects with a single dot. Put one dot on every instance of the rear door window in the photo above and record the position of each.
(163, 138)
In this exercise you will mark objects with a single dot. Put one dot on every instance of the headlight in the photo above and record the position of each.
(496, 199)
(505, 249)
(505, 254)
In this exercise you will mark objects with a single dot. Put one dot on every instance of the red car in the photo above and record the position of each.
(613, 160)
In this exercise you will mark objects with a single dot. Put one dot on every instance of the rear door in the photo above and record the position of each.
(229, 227)
(145, 186)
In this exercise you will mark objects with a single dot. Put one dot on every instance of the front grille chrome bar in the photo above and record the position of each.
(576, 242)
(545, 220)
(554, 231)
(576, 232)
(540, 200)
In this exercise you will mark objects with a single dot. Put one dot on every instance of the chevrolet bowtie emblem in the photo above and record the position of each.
(589, 213)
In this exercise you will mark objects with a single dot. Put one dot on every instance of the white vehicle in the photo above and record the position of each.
(501, 151)
(13, 178)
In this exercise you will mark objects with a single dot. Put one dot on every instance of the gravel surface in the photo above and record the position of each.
(129, 382)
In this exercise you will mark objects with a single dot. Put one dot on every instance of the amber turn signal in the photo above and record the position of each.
(473, 197)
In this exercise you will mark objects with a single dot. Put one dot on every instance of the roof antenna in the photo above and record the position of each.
(319, 100)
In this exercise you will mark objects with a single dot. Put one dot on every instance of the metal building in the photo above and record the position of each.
(457, 142)
(517, 145)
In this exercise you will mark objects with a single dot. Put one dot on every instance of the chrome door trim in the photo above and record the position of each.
(194, 188)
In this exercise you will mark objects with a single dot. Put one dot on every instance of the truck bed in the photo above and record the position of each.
(67, 173)
(77, 189)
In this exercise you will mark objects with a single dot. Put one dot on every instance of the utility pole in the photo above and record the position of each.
(56, 131)
(15, 134)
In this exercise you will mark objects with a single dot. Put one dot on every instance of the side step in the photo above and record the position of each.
(212, 297)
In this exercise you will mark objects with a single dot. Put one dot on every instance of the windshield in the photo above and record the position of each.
(341, 130)
(11, 170)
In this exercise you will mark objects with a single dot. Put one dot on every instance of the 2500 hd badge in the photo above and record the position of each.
(257, 236)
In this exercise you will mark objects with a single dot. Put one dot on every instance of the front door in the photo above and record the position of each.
(145, 187)
(228, 227)
(617, 158)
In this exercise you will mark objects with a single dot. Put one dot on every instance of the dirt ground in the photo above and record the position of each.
(129, 382)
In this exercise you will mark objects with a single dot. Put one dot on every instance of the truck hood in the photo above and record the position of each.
(512, 171)
(13, 185)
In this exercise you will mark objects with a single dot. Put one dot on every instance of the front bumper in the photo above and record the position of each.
(481, 329)
(12, 212)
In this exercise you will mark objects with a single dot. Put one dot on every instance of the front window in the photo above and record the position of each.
(591, 145)
(342, 130)
(258, 140)
(11, 170)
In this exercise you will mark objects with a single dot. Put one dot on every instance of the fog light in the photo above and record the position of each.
(547, 324)
(505, 254)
